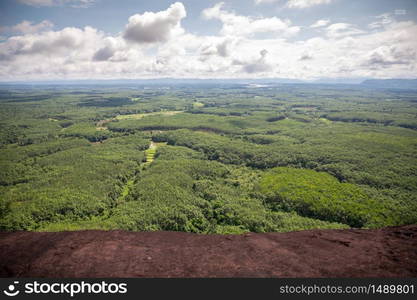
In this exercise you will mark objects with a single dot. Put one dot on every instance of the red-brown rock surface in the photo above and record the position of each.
(388, 252)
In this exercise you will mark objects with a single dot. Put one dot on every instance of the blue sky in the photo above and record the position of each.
(111, 15)
(303, 39)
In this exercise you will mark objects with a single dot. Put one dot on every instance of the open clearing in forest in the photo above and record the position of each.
(198, 105)
(140, 116)
(326, 121)
(101, 125)
(150, 153)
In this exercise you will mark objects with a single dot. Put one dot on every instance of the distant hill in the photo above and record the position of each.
(160, 81)
(251, 82)
(391, 83)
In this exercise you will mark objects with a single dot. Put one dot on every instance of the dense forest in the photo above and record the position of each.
(207, 159)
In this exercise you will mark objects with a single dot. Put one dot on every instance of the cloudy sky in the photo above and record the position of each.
(297, 39)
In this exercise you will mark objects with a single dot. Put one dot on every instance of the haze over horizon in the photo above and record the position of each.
(296, 39)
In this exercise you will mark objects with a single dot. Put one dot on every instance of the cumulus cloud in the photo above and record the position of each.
(155, 27)
(320, 23)
(103, 54)
(237, 25)
(67, 42)
(306, 3)
(243, 48)
(259, 65)
(222, 47)
(386, 56)
(114, 49)
(26, 27)
(306, 56)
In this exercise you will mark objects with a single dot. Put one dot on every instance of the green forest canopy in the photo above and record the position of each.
(228, 160)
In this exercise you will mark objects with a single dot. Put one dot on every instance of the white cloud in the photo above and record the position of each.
(306, 56)
(400, 12)
(114, 49)
(306, 3)
(320, 23)
(382, 21)
(386, 56)
(221, 48)
(260, 65)
(236, 25)
(69, 41)
(340, 30)
(72, 3)
(26, 27)
(265, 1)
(69, 53)
(237, 51)
(155, 27)
(396, 48)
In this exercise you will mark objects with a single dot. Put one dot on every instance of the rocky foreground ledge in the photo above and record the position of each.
(387, 252)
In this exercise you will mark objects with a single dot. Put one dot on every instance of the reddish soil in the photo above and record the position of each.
(388, 252)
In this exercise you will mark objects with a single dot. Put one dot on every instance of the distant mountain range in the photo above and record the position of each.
(371, 83)
(161, 81)
(391, 83)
